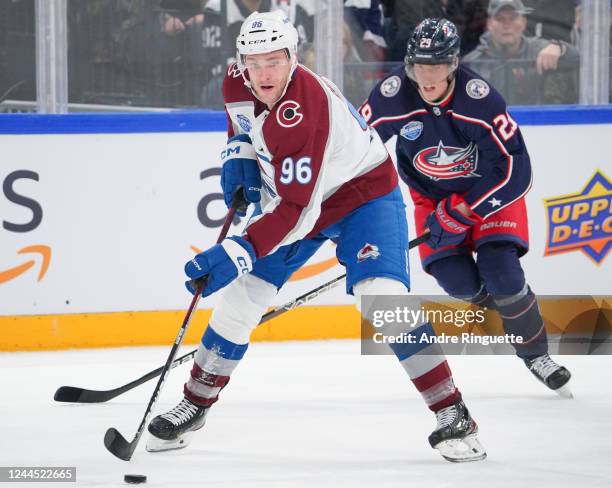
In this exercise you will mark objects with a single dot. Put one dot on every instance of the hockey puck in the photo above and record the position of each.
(135, 478)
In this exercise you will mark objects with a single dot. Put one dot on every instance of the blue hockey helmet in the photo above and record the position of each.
(434, 41)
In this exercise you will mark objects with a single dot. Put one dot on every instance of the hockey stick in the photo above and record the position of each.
(75, 394)
(113, 440)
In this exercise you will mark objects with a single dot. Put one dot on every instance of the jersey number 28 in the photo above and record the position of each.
(505, 125)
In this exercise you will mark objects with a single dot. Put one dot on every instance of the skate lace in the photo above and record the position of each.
(544, 366)
(446, 416)
(181, 413)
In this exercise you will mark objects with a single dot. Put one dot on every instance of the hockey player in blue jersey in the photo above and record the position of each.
(465, 162)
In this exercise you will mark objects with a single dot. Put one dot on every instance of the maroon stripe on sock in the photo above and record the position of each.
(206, 378)
(433, 377)
(446, 402)
(198, 400)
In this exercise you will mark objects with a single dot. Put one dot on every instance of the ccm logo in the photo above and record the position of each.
(229, 151)
(243, 266)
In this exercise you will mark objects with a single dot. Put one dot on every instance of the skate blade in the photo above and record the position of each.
(564, 391)
(155, 444)
(462, 450)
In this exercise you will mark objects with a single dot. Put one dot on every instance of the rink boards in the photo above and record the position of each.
(100, 212)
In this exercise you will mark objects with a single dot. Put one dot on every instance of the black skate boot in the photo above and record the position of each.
(174, 429)
(551, 374)
(456, 435)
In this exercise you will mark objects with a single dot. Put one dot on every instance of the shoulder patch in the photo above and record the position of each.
(244, 123)
(477, 89)
(288, 114)
(390, 86)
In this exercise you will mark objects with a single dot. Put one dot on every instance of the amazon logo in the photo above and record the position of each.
(33, 253)
(18, 270)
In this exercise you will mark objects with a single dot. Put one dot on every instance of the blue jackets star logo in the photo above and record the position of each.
(581, 221)
(447, 162)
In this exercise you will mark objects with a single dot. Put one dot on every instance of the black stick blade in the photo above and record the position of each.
(68, 394)
(117, 445)
(82, 395)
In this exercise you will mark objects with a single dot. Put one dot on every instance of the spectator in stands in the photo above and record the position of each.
(142, 38)
(182, 26)
(524, 69)
(470, 17)
(365, 20)
(179, 16)
(301, 14)
(551, 19)
(159, 43)
(355, 89)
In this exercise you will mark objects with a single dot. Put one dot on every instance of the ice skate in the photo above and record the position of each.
(456, 435)
(551, 374)
(174, 429)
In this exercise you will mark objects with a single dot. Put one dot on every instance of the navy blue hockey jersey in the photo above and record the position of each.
(466, 144)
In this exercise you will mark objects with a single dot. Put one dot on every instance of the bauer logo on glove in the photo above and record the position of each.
(447, 225)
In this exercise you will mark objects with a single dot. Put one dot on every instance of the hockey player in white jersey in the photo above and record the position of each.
(317, 172)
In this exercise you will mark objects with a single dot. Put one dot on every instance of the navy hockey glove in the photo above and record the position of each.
(447, 226)
(221, 264)
(240, 168)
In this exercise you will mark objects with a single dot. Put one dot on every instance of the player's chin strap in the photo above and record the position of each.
(248, 84)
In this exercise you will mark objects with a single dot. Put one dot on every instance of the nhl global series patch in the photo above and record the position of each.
(412, 130)
(581, 221)
(244, 123)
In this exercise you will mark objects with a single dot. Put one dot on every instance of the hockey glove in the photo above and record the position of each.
(240, 168)
(447, 226)
(221, 264)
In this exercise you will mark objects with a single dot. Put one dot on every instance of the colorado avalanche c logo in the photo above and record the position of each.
(446, 162)
(288, 114)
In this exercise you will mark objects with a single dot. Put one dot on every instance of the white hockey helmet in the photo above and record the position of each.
(266, 32)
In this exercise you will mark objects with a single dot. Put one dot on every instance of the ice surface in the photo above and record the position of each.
(310, 414)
